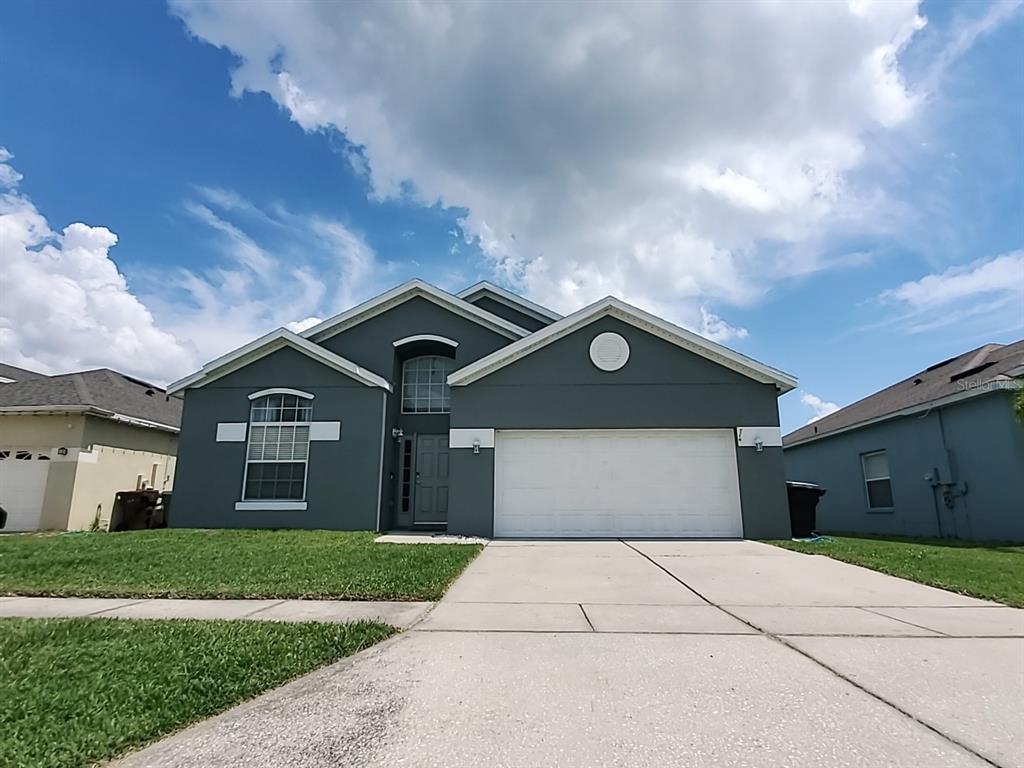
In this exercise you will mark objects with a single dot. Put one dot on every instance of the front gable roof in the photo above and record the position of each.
(627, 313)
(264, 346)
(402, 294)
(502, 296)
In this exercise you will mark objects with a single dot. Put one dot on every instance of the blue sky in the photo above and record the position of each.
(850, 215)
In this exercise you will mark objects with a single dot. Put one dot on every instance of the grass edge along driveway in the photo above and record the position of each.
(184, 563)
(77, 691)
(987, 570)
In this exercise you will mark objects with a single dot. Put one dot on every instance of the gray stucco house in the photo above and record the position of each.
(483, 413)
(937, 454)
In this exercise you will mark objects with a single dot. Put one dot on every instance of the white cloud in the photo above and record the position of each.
(65, 305)
(987, 289)
(821, 408)
(648, 150)
(298, 326)
(304, 266)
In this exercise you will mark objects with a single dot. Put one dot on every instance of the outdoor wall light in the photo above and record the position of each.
(758, 445)
(62, 451)
(476, 445)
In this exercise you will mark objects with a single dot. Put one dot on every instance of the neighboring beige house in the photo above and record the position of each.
(69, 443)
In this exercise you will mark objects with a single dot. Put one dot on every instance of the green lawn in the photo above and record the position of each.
(988, 570)
(228, 563)
(76, 691)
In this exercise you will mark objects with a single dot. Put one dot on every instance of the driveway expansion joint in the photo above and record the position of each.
(908, 623)
(584, 612)
(783, 641)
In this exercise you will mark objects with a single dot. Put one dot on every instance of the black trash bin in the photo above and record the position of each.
(803, 504)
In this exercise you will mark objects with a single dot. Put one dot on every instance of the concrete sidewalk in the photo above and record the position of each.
(399, 615)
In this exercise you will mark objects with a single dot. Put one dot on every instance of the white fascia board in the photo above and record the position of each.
(610, 306)
(941, 402)
(517, 301)
(86, 410)
(267, 344)
(400, 295)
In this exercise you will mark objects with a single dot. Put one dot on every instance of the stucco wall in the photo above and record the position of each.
(371, 344)
(662, 386)
(343, 476)
(103, 457)
(984, 447)
(106, 470)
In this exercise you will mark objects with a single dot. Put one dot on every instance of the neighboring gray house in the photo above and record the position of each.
(485, 414)
(938, 454)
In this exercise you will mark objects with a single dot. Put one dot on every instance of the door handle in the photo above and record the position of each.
(417, 478)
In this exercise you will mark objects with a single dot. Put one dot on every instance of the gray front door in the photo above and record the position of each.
(430, 506)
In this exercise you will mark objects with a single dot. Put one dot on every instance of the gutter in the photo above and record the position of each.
(86, 410)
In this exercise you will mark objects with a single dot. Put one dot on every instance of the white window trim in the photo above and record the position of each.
(262, 503)
(269, 505)
(425, 337)
(281, 391)
(864, 476)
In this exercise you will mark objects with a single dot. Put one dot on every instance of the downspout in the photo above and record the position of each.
(935, 480)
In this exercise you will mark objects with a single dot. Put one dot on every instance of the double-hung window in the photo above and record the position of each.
(275, 466)
(425, 384)
(876, 480)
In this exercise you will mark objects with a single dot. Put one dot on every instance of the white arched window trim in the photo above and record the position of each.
(281, 391)
(277, 451)
(426, 337)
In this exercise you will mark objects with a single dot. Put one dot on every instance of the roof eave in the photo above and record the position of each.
(941, 402)
(267, 344)
(538, 311)
(610, 305)
(86, 410)
(403, 293)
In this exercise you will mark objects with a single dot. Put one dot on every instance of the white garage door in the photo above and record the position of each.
(657, 483)
(22, 486)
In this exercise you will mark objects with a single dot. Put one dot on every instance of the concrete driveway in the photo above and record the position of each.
(609, 653)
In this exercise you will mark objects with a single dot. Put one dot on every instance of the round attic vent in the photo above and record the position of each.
(609, 351)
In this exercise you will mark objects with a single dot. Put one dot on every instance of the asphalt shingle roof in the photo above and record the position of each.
(18, 374)
(970, 370)
(103, 389)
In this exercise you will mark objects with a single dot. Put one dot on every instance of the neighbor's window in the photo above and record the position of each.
(876, 479)
(275, 466)
(425, 385)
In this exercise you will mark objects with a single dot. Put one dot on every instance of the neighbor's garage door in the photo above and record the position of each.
(22, 486)
(659, 483)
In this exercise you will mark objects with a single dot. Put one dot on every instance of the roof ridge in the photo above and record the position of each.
(82, 388)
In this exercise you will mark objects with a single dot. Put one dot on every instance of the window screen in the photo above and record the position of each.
(278, 448)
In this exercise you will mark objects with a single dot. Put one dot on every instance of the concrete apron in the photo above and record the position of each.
(650, 654)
